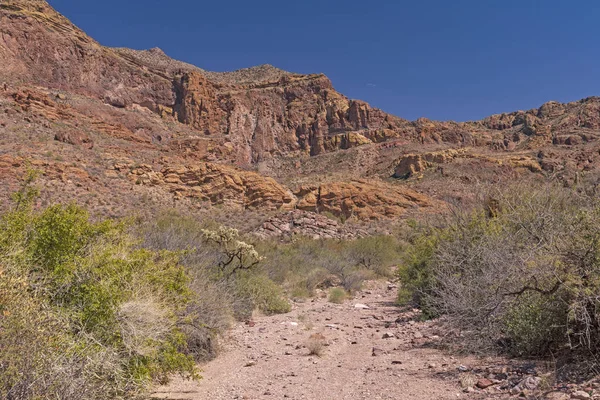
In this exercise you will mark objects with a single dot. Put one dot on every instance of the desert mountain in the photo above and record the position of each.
(125, 130)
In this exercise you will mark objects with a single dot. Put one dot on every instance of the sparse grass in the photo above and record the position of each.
(316, 345)
(306, 321)
(337, 295)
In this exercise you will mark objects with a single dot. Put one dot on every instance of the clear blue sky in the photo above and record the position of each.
(445, 59)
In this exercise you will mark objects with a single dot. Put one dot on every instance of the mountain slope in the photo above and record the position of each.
(265, 110)
(115, 128)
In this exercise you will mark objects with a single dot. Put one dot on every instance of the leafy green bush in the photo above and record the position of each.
(85, 312)
(259, 292)
(534, 324)
(415, 271)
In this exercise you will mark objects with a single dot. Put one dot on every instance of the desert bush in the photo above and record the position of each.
(259, 292)
(84, 312)
(316, 345)
(209, 314)
(227, 280)
(526, 276)
(235, 255)
(310, 263)
(337, 295)
(375, 253)
(415, 273)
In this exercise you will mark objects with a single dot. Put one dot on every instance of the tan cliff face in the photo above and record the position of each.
(116, 128)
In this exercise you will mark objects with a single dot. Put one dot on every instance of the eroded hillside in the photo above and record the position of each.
(124, 130)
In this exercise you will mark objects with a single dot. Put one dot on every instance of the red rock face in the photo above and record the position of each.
(196, 103)
(264, 111)
(65, 100)
(38, 44)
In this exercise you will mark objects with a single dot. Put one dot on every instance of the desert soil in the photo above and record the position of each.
(267, 358)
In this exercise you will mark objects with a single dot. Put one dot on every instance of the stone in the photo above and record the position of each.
(411, 164)
(388, 335)
(364, 200)
(305, 223)
(484, 383)
(580, 395)
(361, 306)
(220, 184)
(377, 352)
(557, 396)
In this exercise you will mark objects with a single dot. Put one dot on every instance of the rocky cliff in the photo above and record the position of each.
(113, 127)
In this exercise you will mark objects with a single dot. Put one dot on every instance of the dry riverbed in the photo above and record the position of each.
(368, 348)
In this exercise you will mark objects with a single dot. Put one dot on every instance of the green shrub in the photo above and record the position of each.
(300, 292)
(375, 253)
(86, 313)
(311, 263)
(535, 324)
(526, 275)
(259, 292)
(337, 295)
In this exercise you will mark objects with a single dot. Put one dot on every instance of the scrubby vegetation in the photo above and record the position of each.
(521, 272)
(304, 264)
(219, 257)
(84, 312)
(90, 311)
(103, 309)
(337, 295)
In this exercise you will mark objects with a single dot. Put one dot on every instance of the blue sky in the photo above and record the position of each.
(444, 59)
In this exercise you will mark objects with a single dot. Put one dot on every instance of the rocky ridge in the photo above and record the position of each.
(257, 138)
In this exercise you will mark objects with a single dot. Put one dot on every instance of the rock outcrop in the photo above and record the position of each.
(216, 184)
(411, 164)
(362, 199)
(264, 112)
(306, 224)
(111, 126)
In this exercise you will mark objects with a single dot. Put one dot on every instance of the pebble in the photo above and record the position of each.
(557, 396)
(484, 383)
(580, 395)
